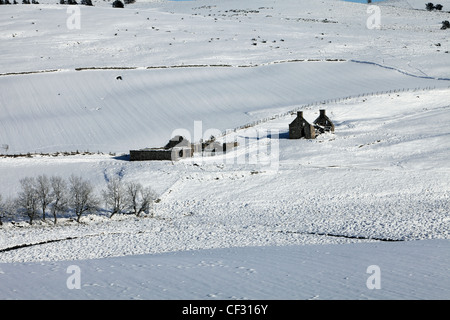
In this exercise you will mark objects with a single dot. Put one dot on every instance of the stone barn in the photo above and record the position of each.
(300, 128)
(214, 148)
(177, 148)
(323, 123)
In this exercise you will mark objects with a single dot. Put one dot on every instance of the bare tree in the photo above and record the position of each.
(148, 196)
(59, 195)
(43, 191)
(82, 198)
(27, 200)
(7, 208)
(140, 199)
(133, 190)
(114, 196)
(2, 210)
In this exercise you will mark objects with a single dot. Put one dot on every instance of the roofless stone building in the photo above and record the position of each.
(323, 123)
(300, 128)
(177, 148)
(180, 148)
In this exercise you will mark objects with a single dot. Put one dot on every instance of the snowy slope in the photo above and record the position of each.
(91, 110)
(221, 32)
(408, 270)
(307, 224)
(382, 175)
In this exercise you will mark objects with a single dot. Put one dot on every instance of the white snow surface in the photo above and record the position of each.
(408, 270)
(304, 222)
(142, 110)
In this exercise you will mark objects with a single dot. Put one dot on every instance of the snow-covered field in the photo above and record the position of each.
(287, 272)
(275, 218)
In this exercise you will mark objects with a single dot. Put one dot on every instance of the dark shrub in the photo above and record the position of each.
(117, 4)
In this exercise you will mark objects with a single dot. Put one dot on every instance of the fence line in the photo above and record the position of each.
(329, 101)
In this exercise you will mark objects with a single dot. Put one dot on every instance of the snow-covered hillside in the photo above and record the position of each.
(409, 270)
(47, 37)
(91, 110)
(382, 174)
(273, 219)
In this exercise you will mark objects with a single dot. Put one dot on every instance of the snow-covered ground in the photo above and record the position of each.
(408, 270)
(92, 111)
(275, 218)
(47, 37)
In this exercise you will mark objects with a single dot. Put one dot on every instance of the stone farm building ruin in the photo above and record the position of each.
(177, 148)
(300, 128)
(180, 148)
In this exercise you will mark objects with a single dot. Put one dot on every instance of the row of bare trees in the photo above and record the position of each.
(42, 196)
(129, 197)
